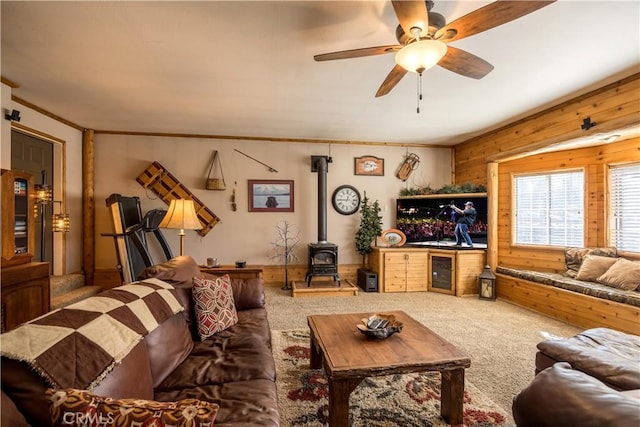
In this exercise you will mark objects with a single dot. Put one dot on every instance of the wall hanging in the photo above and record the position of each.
(166, 186)
(408, 165)
(368, 165)
(213, 182)
(271, 195)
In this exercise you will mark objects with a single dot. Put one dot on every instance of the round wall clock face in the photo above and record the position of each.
(346, 200)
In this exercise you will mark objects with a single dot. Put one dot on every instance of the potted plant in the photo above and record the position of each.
(370, 227)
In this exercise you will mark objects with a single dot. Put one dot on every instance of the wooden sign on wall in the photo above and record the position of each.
(167, 187)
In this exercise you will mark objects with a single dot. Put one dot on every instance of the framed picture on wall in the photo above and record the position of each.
(369, 165)
(270, 195)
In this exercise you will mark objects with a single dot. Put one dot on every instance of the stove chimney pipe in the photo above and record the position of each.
(322, 200)
(320, 164)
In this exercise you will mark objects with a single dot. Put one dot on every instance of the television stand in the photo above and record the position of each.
(451, 270)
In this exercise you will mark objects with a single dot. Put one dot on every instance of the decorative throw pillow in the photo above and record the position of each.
(573, 257)
(214, 305)
(71, 407)
(594, 266)
(624, 274)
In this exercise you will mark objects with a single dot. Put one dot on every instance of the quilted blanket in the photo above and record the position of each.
(78, 345)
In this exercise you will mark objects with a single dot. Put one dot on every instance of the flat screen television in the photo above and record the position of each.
(430, 220)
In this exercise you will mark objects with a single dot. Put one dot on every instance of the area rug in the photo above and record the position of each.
(395, 400)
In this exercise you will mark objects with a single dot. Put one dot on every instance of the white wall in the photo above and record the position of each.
(67, 175)
(244, 235)
(241, 234)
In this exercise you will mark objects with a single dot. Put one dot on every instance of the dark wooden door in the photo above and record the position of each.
(34, 155)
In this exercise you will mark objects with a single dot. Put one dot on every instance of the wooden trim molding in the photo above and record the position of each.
(46, 113)
(30, 131)
(270, 139)
(9, 83)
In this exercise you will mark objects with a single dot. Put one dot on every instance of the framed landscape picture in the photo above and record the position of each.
(369, 165)
(270, 195)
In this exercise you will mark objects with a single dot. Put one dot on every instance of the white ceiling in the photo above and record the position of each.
(246, 68)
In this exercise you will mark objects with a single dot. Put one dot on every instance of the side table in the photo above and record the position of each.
(248, 272)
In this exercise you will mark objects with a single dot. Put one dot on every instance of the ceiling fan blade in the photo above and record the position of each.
(391, 81)
(465, 63)
(487, 17)
(412, 14)
(356, 53)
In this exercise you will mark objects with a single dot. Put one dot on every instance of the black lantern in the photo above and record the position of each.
(487, 284)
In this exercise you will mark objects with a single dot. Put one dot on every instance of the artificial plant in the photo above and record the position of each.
(370, 226)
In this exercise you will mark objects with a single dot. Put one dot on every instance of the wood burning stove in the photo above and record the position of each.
(323, 256)
(323, 261)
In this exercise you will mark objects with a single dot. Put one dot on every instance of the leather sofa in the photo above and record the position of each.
(591, 379)
(234, 368)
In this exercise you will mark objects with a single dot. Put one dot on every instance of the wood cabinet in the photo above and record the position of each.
(25, 293)
(18, 209)
(24, 284)
(400, 269)
(407, 269)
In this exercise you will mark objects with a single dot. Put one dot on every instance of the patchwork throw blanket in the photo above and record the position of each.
(78, 345)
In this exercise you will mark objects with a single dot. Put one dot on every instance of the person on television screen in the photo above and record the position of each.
(466, 218)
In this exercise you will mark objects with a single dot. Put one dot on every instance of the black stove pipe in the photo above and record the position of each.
(323, 167)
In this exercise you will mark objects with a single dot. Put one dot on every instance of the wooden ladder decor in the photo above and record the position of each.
(167, 187)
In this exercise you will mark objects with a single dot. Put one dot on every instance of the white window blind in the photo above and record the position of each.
(624, 207)
(549, 209)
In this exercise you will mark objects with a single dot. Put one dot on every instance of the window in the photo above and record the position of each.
(624, 207)
(549, 209)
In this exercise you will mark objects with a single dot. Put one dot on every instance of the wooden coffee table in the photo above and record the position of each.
(348, 357)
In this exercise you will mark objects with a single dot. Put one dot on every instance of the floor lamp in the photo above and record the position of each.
(181, 216)
(43, 197)
(60, 221)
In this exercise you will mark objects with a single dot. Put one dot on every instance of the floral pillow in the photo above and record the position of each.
(71, 407)
(214, 305)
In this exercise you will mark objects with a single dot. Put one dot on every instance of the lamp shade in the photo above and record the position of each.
(421, 55)
(43, 194)
(61, 223)
(181, 215)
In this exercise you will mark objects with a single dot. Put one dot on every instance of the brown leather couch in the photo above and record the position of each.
(591, 379)
(234, 368)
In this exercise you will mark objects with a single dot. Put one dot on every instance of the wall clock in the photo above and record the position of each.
(346, 200)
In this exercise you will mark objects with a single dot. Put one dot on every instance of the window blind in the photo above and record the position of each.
(549, 209)
(624, 207)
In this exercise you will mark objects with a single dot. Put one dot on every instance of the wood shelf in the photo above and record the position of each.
(17, 204)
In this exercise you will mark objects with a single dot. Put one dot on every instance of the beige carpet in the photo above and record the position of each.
(499, 337)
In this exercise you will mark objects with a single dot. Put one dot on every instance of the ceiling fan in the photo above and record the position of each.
(423, 38)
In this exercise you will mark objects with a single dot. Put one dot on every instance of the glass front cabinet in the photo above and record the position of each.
(18, 210)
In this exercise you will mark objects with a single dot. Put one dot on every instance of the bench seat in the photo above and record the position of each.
(582, 304)
(588, 288)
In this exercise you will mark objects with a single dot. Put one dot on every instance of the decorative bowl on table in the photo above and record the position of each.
(380, 326)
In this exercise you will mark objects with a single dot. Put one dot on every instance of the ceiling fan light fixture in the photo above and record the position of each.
(421, 55)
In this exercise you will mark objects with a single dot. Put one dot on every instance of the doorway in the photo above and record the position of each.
(35, 156)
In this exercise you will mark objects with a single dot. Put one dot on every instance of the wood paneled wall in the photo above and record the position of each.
(593, 161)
(614, 106)
(499, 154)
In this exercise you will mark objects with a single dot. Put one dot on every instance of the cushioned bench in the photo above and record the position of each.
(586, 304)
(588, 288)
